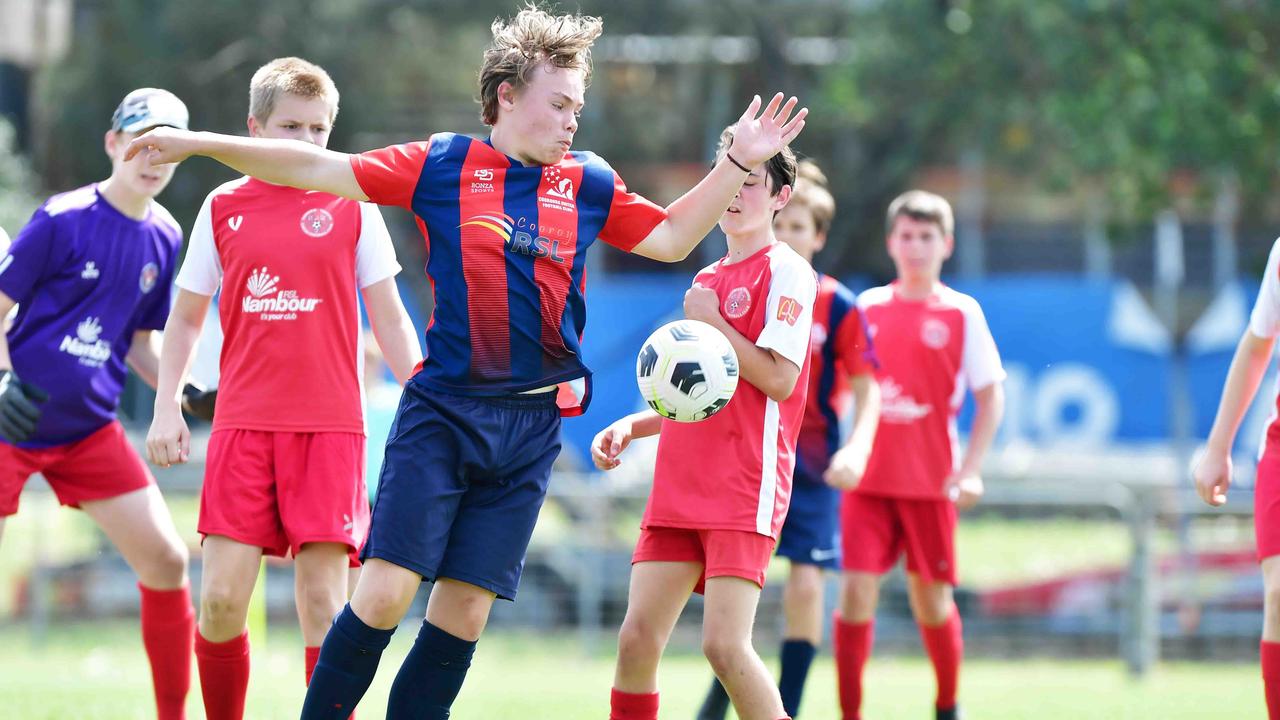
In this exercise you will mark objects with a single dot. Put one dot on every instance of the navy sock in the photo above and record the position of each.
(348, 659)
(716, 706)
(797, 656)
(431, 676)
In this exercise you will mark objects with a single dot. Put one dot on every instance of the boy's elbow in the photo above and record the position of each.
(781, 388)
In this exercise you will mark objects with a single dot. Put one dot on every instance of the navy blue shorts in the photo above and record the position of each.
(811, 533)
(462, 483)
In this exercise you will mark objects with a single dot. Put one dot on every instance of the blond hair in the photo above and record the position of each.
(924, 206)
(289, 76)
(811, 192)
(527, 41)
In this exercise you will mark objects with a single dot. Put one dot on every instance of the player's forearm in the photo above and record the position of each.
(645, 423)
(177, 352)
(1249, 364)
(400, 348)
(693, 215)
(770, 374)
(283, 162)
(988, 411)
(5, 362)
(144, 357)
(866, 412)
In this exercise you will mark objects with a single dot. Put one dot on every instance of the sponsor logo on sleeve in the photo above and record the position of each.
(789, 310)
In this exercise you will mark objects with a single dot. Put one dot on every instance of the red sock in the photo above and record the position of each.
(224, 676)
(312, 656)
(945, 645)
(1271, 677)
(852, 645)
(168, 629)
(633, 706)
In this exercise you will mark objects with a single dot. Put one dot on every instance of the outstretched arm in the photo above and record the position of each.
(611, 441)
(694, 214)
(282, 162)
(1212, 473)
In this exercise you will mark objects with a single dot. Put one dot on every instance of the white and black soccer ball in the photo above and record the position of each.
(687, 371)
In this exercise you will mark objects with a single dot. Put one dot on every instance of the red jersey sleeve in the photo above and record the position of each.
(631, 217)
(390, 175)
(853, 344)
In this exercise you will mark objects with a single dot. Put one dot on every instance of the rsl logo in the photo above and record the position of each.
(317, 222)
(522, 239)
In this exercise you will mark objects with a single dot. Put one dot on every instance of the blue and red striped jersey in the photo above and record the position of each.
(840, 347)
(506, 248)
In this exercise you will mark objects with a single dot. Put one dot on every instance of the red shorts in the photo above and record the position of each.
(103, 465)
(280, 490)
(876, 530)
(722, 553)
(1266, 504)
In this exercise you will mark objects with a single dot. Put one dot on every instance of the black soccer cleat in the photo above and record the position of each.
(951, 713)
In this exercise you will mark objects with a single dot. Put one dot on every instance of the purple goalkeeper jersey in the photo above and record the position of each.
(86, 278)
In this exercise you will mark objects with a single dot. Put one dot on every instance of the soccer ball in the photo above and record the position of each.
(687, 371)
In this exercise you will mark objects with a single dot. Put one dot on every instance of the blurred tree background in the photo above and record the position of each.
(1113, 109)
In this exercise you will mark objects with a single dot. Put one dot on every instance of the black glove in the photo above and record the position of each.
(18, 407)
(198, 403)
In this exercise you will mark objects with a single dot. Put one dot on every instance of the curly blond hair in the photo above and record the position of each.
(527, 41)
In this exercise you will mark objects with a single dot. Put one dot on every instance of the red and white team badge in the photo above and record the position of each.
(789, 310)
(147, 280)
(934, 333)
(317, 222)
(737, 303)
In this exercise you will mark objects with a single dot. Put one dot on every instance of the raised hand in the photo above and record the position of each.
(759, 136)
(163, 145)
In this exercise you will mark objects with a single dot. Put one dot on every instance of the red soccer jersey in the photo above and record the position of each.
(839, 348)
(733, 470)
(290, 263)
(930, 352)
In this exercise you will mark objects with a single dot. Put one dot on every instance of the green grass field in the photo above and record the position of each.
(94, 672)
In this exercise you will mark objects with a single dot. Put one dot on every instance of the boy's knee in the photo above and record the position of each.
(638, 641)
(725, 653)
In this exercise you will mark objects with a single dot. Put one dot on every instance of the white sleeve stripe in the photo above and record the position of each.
(768, 468)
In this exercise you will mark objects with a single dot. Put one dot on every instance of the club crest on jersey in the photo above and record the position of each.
(737, 303)
(934, 333)
(265, 299)
(317, 222)
(147, 280)
(559, 190)
(87, 345)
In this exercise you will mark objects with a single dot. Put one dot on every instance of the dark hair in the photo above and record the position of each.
(533, 37)
(923, 206)
(780, 168)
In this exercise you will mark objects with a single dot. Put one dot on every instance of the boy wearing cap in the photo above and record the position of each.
(91, 275)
